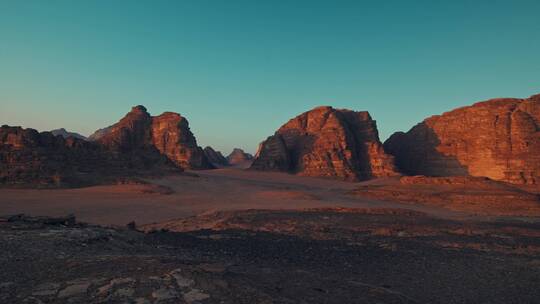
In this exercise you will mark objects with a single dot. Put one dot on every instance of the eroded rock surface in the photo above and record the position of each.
(327, 142)
(498, 138)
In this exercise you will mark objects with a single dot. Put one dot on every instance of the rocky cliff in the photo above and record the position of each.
(498, 138)
(327, 142)
(148, 138)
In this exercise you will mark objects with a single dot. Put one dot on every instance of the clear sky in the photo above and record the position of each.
(240, 69)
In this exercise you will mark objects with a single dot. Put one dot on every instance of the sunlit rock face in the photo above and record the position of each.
(498, 138)
(172, 137)
(327, 142)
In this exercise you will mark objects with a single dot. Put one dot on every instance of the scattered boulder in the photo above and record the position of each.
(327, 142)
(498, 138)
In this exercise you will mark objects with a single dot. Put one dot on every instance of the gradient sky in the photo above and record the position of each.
(240, 69)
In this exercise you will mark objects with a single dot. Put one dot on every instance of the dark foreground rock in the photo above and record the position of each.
(311, 256)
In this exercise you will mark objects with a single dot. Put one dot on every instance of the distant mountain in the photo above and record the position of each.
(239, 158)
(67, 134)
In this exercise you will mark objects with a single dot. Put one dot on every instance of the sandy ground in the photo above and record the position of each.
(213, 190)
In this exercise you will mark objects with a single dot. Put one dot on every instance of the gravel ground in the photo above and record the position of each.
(346, 258)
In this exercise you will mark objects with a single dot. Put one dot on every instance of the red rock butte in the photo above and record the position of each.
(498, 138)
(167, 134)
(327, 142)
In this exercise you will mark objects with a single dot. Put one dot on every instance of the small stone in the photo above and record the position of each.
(74, 290)
(124, 292)
(182, 281)
(164, 293)
(6, 285)
(195, 295)
(46, 289)
(141, 301)
(114, 282)
(32, 300)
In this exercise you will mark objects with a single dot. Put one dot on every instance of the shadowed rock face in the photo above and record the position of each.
(28, 157)
(327, 142)
(215, 157)
(498, 138)
(150, 137)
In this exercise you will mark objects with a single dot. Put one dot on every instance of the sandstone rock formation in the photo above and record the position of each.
(239, 158)
(65, 134)
(215, 157)
(498, 138)
(138, 145)
(172, 137)
(327, 142)
(168, 135)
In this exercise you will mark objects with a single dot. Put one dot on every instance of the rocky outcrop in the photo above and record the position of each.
(172, 137)
(138, 145)
(215, 157)
(498, 138)
(149, 138)
(239, 158)
(28, 157)
(327, 142)
(65, 134)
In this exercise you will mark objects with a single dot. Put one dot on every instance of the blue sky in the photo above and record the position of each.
(240, 69)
